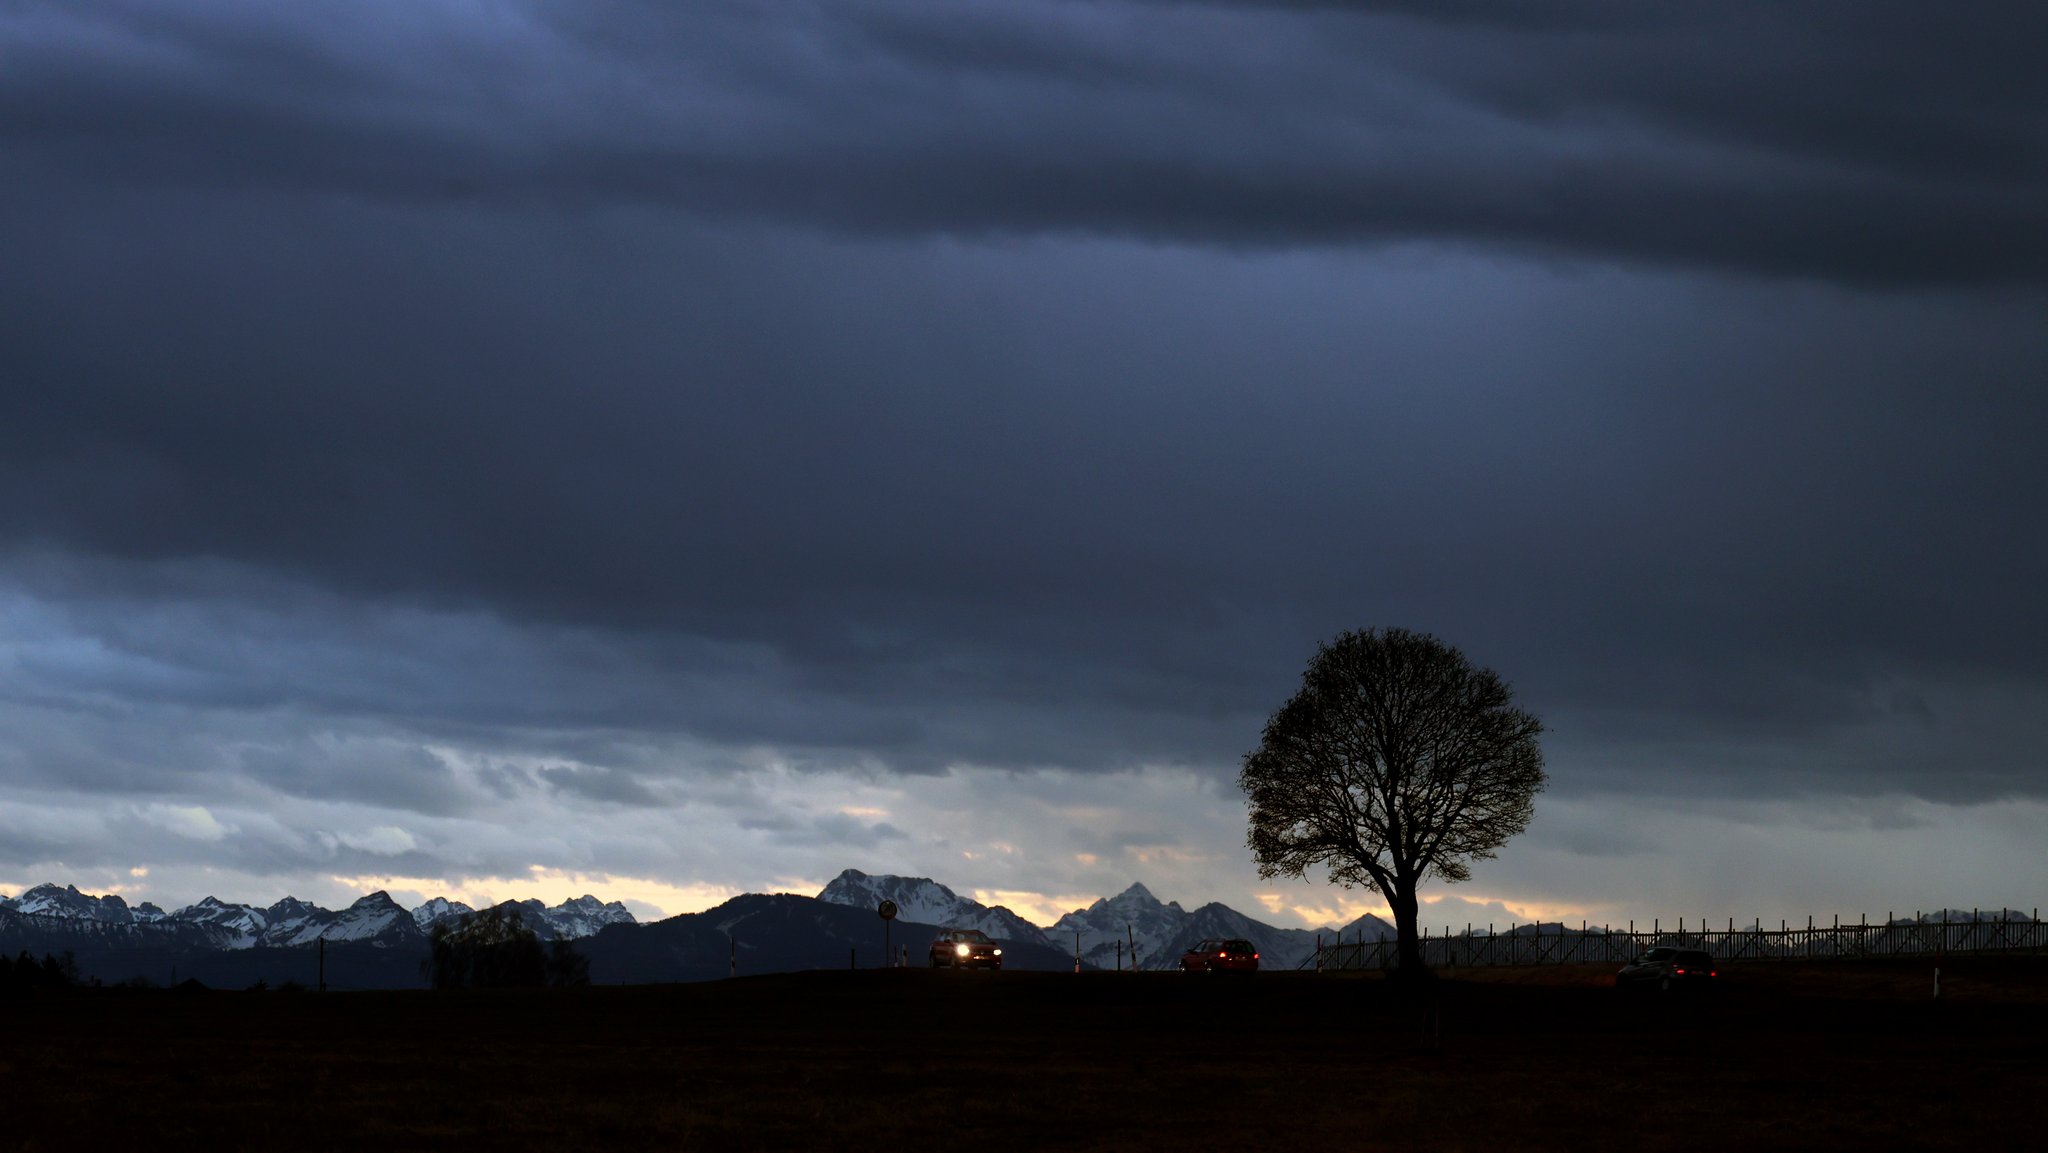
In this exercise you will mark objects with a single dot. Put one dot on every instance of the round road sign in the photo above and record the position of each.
(887, 910)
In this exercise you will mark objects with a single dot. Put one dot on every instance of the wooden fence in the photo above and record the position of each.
(1552, 944)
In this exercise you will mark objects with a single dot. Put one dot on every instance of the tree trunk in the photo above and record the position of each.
(1407, 937)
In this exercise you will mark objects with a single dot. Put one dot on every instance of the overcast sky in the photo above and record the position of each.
(534, 447)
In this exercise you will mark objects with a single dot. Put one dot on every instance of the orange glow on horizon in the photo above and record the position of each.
(551, 886)
(1038, 908)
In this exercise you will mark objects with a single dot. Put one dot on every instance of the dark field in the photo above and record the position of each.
(1840, 1055)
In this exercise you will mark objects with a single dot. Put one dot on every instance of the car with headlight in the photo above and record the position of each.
(965, 949)
(1221, 955)
(1667, 967)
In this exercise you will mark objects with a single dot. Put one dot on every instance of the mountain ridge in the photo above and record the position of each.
(290, 922)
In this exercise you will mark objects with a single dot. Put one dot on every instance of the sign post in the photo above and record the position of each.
(887, 909)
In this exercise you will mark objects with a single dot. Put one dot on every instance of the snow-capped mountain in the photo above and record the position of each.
(291, 922)
(1132, 917)
(572, 919)
(1162, 931)
(50, 901)
(375, 918)
(1278, 948)
(437, 910)
(583, 916)
(245, 922)
(926, 902)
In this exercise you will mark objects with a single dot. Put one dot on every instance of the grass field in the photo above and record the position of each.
(1786, 1056)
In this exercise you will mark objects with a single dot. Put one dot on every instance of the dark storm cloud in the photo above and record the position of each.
(1879, 143)
(455, 376)
(567, 485)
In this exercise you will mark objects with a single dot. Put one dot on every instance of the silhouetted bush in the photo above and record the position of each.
(495, 949)
(566, 966)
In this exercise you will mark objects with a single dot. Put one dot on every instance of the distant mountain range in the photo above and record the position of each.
(291, 922)
(376, 943)
(1160, 931)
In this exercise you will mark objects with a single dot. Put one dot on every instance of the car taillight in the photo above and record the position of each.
(1680, 972)
(1713, 972)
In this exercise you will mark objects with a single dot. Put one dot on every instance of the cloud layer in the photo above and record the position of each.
(1888, 144)
(674, 442)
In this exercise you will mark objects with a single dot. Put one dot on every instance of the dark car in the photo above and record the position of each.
(1665, 967)
(1221, 955)
(965, 949)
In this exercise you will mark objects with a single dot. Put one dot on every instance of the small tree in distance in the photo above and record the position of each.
(1396, 761)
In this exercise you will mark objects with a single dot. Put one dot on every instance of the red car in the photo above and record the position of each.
(1220, 955)
(965, 949)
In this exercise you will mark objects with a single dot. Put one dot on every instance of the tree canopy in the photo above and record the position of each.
(496, 948)
(1397, 760)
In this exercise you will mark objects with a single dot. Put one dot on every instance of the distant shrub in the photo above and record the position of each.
(566, 966)
(495, 949)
